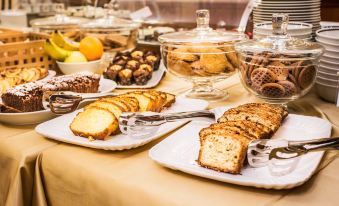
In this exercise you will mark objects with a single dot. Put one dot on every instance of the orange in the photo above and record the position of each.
(91, 47)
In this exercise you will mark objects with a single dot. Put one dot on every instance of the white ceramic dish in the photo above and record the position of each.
(330, 35)
(329, 82)
(180, 151)
(153, 82)
(26, 118)
(328, 45)
(327, 92)
(333, 53)
(328, 58)
(71, 68)
(58, 129)
(328, 69)
(329, 76)
(329, 64)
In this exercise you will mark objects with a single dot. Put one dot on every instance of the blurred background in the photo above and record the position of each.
(227, 12)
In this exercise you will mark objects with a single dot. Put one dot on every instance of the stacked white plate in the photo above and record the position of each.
(295, 29)
(327, 78)
(307, 11)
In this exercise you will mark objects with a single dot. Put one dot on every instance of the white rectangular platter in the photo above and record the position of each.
(58, 129)
(180, 151)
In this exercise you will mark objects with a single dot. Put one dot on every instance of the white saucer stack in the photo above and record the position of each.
(327, 79)
(294, 29)
(307, 11)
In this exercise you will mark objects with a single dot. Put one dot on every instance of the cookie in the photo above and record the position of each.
(297, 66)
(215, 62)
(272, 90)
(262, 76)
(306, 76)
(279, 70)
(182, 54)
(231, 55)
(290, 88)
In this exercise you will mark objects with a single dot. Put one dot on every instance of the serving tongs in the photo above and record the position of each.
(63, 102)
(145, 124)
(282, 156)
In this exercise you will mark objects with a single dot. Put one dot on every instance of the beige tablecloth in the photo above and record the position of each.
(65, 174)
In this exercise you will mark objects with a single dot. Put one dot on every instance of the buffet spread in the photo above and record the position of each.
(241, 144)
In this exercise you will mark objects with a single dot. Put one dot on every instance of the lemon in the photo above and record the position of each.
(76, 56)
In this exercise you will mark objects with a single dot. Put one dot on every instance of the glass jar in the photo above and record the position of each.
(202, 56)
(116, 34)
(69, 26)
(278, 68)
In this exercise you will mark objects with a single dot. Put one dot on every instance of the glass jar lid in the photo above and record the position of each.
(280, 41)
(58, 20)
(109, 21)
(202, 34)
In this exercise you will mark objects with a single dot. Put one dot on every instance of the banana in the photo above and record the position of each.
(54, 51)
(64, 42)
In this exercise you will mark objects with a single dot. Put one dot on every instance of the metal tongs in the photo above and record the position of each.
(63, 102)
(145, 124)
(282, 156)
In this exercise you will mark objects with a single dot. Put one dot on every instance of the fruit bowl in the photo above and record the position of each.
(75, 67)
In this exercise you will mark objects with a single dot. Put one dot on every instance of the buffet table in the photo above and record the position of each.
(38, 171)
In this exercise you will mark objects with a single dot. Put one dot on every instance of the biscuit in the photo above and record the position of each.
(215, 61)
(262, 76)
(290, 88)
(231, 55)
(273, 90)
(279, 69)
(306, 76)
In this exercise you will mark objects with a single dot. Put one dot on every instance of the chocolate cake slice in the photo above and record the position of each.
(28, 97)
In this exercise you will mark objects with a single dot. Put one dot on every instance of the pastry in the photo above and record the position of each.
(133, 67)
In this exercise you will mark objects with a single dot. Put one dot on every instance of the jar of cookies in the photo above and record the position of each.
(278, 68)
(202, 56)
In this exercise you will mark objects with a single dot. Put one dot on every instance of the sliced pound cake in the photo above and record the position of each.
(94, 122)
(222, 150)
(223, 146)
(86, 123)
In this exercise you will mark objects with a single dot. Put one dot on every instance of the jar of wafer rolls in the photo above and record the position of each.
(278, 68)
(203, 56)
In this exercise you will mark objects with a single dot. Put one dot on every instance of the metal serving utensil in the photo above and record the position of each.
(282, 156)
(63, 102)
(145, 124)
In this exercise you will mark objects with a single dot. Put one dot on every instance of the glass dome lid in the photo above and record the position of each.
(109, 21)
(58, 20)
(280, 41)
(201, 34)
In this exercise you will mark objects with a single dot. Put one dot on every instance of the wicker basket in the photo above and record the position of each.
(23, 50)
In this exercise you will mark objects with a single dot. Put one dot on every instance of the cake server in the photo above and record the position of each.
(282, 156)
(63, 102)
(145, 124)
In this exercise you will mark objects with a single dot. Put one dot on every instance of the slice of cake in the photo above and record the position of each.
(222, 150)
(28, 97)
(94, 122)
(223, 146)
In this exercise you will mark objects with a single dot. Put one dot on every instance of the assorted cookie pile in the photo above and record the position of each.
(276, 75)
(202, 61)
(133, 67)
